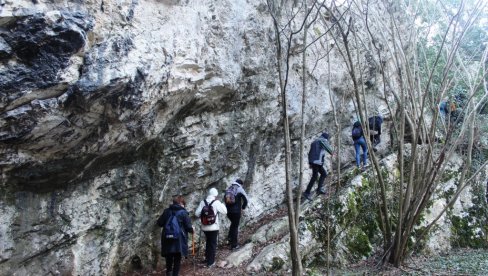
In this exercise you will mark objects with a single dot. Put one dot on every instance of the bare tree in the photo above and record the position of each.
(289, 21)
(415, 78)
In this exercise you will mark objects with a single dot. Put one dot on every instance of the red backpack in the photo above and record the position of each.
(208, 217)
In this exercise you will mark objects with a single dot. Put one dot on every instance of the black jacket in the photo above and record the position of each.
(375, 123)
(241, 201)
(178, 245)
(317, 151)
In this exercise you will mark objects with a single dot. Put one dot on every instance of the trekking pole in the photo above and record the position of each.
(193, 243)
(193, 251)
(199, 242)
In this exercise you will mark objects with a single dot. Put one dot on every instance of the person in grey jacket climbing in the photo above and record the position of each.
(235, 200)
(208, 211)
(316, 157)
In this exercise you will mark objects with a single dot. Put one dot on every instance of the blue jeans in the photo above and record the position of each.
(361, 143)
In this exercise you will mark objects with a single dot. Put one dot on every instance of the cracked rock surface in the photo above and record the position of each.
(108, 108)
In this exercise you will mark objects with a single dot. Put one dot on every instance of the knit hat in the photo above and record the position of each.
(325, 135)
(213, 192)
(238, 181)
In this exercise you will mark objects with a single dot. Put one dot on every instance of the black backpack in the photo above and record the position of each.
(357, 132)
(208, 217)
(230, 194)
(172, 227)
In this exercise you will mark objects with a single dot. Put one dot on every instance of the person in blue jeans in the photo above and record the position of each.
(359, 143)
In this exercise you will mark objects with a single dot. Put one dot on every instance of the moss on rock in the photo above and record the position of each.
(277, 264)
(358, 243)
(471, 228)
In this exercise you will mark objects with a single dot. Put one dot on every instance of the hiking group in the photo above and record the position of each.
(176, 224)
(321, 145)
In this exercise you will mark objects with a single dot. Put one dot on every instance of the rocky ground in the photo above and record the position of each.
(193, 264)
(457, 262)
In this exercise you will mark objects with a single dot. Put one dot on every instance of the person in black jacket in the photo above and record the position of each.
(375, 130)
(316, 156)
(234, 210)
(173, 249)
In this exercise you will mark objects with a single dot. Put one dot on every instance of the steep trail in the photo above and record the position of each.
(193, 264)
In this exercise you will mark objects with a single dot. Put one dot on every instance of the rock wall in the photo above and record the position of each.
(108, 108)
(348, 222)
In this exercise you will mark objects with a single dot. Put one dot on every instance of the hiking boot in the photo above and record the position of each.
(211, 265)
(307, 196)
(235, 247)
(321, 191)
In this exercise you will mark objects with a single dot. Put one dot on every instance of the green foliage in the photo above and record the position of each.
(471, 229)
(358, 243)
(433, 23)
(277, 264)
(471, 262)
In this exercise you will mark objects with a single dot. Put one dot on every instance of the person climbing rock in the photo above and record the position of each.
(316, 157)
(359, 143)
(235, 200)
(208, 211)
(375, 130)
(448, 109)
(176, 225)
(487, 191)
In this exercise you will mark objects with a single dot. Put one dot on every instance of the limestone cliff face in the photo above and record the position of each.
(108, 108)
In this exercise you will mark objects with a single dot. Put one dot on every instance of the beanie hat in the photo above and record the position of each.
(239, 181)
(325, 135)
(213, 192)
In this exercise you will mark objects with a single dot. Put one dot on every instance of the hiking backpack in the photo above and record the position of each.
(357, 132)
(230, 194)
(172, 228)
(208, 217)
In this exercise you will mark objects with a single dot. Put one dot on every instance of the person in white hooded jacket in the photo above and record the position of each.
(211, 231)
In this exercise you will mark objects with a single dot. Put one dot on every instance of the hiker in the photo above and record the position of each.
(208, 211)
(316, 157)
(235, 200)
(174, 237)
(375, 130)
(447, 108)
(359, 143)
(487, 191)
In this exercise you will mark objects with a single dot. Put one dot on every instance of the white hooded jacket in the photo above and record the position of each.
(217, 206)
